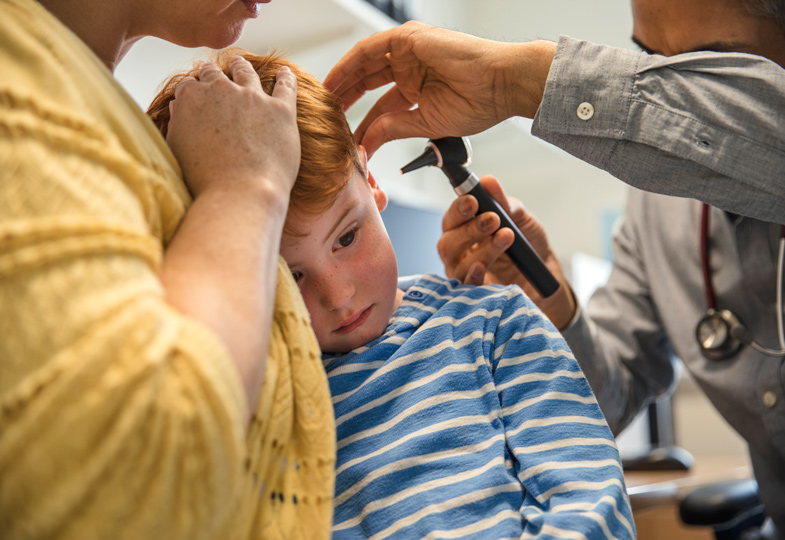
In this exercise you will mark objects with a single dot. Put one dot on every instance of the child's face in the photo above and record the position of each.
(345, 267)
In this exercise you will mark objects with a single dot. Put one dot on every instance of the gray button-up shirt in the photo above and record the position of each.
(706, 126)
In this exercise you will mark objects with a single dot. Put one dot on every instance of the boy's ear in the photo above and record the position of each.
(364, 157)
(378, 194)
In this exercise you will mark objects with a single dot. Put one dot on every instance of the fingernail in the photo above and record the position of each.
(463, 207)
(498, 241)
(485, 222)
(284, 69)
(476, 272)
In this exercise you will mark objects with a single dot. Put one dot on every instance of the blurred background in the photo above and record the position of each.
(316, 33)
(577, 203)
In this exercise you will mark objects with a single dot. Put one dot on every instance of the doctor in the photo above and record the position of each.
(703, 126)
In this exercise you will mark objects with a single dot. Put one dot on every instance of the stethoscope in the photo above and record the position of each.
(720, 333)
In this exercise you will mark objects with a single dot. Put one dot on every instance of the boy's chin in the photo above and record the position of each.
(373, 329)
(351, 342)
(342, 348)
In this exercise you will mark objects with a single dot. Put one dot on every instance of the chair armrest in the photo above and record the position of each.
(720, 503)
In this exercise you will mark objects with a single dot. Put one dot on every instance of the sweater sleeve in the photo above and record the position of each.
(119, 417)
(564, 453)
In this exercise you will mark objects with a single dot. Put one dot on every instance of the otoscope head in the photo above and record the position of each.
(443, 152)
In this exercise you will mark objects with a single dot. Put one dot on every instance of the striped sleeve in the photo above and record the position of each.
(564, 453)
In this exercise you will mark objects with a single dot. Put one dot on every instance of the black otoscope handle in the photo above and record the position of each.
(521, 251)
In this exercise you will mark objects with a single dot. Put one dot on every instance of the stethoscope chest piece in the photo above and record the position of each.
(720, 333)
(716, 334)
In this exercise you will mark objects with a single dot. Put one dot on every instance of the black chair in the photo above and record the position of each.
(662, 454)
(732, 509)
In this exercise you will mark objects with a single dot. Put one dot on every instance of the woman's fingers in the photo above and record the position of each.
(243, 73)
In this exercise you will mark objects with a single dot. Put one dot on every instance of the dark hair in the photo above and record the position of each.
(768, 9)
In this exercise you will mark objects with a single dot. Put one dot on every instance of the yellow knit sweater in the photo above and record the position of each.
(120, 418)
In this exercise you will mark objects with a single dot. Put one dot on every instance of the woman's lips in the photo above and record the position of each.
(353, 323)
(253, 6)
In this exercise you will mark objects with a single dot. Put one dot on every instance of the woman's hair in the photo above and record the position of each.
(329, 153)
(768, 9)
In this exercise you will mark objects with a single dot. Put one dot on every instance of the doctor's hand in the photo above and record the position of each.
(472, 249)
(461, 84)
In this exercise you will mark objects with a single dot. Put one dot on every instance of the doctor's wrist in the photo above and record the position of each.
(562, 306)
(524, 74)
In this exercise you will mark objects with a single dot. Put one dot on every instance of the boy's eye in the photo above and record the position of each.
(347, 238)
(297, 276)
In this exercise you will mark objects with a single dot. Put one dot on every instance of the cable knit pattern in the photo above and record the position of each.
(292, 435)
(119, 418)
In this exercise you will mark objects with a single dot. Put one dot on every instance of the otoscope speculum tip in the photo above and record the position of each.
(431, 156)
(443, 152)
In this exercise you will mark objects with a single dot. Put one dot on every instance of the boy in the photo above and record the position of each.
(460, 411)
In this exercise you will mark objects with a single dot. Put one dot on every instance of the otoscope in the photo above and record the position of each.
(452, 155)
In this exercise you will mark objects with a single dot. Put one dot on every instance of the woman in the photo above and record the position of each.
(139, 309)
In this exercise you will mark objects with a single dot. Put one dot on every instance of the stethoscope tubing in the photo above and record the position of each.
(711, 299)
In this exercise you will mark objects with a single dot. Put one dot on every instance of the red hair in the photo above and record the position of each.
(329, 153)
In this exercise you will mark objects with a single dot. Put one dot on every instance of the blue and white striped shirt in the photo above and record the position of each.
(470, 418)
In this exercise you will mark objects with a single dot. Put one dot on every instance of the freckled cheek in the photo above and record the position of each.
(385, 270)
(313, 305)
(319, 323)
(376, 262)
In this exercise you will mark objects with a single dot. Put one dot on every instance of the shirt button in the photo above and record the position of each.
(585, 111)
(769, 398)
(415, 294)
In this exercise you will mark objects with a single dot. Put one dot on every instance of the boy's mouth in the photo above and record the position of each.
(354, 322)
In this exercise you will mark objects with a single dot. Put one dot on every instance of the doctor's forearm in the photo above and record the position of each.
(701, 125)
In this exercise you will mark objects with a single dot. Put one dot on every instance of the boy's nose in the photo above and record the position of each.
(336, 291)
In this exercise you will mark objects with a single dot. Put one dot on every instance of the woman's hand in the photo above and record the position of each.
(472, 249)
(229, 134)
